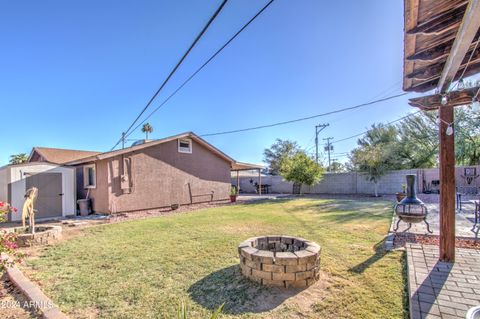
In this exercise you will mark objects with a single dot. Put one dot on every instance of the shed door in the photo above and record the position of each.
(49, 201)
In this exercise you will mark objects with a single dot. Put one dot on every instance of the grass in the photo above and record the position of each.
(146, 268)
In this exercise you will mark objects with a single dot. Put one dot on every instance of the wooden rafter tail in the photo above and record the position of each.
(463, 41)
(431, 84)
(430, 72)
(442, 22)
(455, 98)
(411, 18)
(437, 53)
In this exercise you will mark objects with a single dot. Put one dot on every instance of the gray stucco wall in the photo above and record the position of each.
(162, 176)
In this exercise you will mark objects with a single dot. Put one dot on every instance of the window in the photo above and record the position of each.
(89, 176)
(185, 145)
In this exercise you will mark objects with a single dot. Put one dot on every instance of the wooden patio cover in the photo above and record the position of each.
(440, 47)
(431, 27)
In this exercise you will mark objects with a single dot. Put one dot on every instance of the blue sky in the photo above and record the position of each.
(74, 74)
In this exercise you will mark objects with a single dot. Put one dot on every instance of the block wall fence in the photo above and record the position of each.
(357, 183)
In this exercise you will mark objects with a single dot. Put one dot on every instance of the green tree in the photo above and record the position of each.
(279, 150)
(467, 136)
(147, 128)
(418, 141)
(377, 153)
(302, 169)
(18, 158)
(414, 142)
(371, 162)
(337, 167)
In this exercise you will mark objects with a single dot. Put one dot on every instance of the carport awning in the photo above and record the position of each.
(239, 166)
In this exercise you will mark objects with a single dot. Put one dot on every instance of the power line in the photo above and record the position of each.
(329, 149)
(363, 133)
(205, 64)
(306, 118)
(392, 89)
(204, 29)
(466, 66)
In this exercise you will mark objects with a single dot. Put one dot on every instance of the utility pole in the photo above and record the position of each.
(328, 148)
(123, 140)
(318, 129)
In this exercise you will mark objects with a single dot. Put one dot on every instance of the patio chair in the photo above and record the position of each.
(476, 203)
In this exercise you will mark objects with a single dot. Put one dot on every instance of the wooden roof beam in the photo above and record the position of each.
(465, 35)
(455, 98)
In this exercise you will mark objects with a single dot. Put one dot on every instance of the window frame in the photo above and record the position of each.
(86, 176)
(183, 149)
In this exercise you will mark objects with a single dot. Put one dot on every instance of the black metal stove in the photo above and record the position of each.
(411, 209)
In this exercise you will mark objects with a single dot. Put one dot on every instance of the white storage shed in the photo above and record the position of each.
(56, 188)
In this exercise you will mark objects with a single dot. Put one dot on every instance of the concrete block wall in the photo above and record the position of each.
(356, 183)
(391, 183)
(340, 183)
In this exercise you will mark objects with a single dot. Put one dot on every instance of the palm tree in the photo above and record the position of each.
(147, 128)
(18, 158)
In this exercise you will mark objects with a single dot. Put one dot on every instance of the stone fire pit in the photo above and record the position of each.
(281, 261)
(44, 235)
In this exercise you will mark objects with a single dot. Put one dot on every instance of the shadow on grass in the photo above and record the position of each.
(380, 252)
(338, 213)
(239, 294)
(405, 299)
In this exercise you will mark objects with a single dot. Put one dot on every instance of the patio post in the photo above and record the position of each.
(447, 186)
(259, 181)
(238, 182)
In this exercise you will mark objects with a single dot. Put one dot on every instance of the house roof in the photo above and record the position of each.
(193, 136)
(239, 166)
(60, 156)
(434, 32)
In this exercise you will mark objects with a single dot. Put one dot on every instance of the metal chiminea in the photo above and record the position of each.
(411, 209)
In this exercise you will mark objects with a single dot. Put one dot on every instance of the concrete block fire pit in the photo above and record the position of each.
(281, 261)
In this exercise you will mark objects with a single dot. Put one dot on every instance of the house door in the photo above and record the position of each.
(49, 201)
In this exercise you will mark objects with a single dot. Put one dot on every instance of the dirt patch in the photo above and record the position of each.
(306, 299)
(85, 313)
(13, 305)
(165, 211)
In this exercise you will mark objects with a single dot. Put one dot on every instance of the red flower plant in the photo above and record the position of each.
(8, 243)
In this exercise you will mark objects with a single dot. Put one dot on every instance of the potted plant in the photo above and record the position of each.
(403, 194)
(233, 194)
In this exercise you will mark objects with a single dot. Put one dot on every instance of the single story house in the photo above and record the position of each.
(181, 169)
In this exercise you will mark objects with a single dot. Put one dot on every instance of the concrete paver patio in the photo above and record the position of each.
(439, 289)
(465, 226)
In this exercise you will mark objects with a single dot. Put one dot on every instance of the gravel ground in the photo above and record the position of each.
(402, 238)
(166, 211)
(13, 304)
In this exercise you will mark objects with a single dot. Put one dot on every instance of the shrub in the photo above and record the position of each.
(7, 240)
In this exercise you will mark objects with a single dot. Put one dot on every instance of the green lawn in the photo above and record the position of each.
(145, 268)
